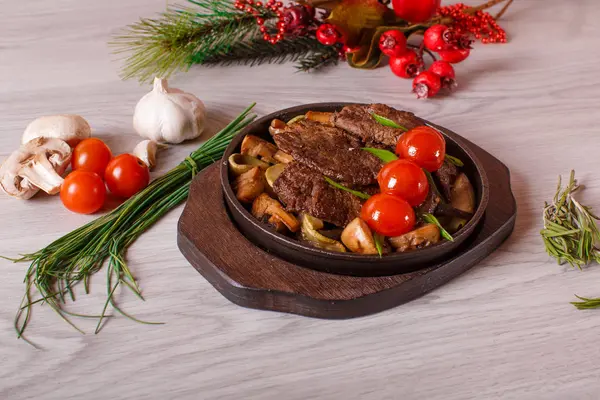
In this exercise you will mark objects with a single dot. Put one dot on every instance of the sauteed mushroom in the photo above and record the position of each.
(357, 237)
(240, 163)
(277, 126)
(424, 236)
(259, 148)
(462, 197)
(265, 206)
(249, 185)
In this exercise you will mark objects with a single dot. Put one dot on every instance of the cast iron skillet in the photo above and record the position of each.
(348, 263)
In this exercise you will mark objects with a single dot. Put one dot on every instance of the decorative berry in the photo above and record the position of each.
(408, 65)
(328, 34)
(454, 56)
(438, 37)
(445, 71)
(480, 24)
(297, 18)
(392, 43)
(415, 10)
(426, 84)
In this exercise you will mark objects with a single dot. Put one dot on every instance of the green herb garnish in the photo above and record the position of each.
(387, 122)
(378, 239)
(454, 160)
(384, 155)
(570, 229)
(358, 194)
(75, 257)
(433, 220)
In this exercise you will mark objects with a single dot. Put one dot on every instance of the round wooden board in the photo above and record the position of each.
(251, 277)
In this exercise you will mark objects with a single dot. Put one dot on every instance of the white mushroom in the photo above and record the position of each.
(37, 164)
(146, 151)
(423, 236)
(68, 127)
(357, 237)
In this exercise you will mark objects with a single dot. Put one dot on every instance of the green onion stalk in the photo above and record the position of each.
(75, 257)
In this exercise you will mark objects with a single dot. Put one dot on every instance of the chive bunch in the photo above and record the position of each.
(73, 258)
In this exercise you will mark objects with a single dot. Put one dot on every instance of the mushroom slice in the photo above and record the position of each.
(357, 237)
(273, 172)
(240, 163)
(277, 126)
(249, 185)
(283, 157)
(68, 127)
(38, 164)
(322, 117)
(259, 148)
(462, 195)
(423, 236)
(309, 231)
(146, 151)
(264, 206)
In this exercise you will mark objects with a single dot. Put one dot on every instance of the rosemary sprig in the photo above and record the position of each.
(570, 231)
(75, 257)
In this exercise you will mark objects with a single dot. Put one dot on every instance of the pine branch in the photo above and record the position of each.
(257, 51)
(318, 60)
(162, 46)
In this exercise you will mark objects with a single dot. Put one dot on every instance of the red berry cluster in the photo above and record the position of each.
(480, 24)
(258, 9)
(452, 47)
(439, 75)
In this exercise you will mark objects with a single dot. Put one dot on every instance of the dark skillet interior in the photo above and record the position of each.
(348, 263)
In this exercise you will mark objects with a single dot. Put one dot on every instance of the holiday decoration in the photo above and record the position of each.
(315, 34)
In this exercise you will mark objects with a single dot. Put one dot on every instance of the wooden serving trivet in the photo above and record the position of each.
(251, 277)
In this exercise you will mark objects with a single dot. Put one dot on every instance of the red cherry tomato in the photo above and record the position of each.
(91, 155)
(424, 146)
(83, 192)
(405, 179)
(415, 10)
(126, 175)
(388, 215)
(454, 56)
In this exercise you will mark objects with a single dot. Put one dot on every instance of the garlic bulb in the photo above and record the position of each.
(169, 115)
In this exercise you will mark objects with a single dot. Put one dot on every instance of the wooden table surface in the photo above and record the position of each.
(503, 330)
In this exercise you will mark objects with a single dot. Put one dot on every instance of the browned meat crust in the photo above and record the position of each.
(303, 189)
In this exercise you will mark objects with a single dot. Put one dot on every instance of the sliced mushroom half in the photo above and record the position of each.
(265, 208)
(38, 164)
(462, 197)
(418, 238)
(322, 117)
(240, 163)
(259, 148)
(358, 238)
(249, 185)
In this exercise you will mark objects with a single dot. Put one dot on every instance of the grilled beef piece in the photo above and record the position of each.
(430, 203)
(358, 121)
(446, 175)
(330, 151)
(303, 189)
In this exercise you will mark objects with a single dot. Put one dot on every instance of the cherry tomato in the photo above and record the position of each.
(415, 10)
(424, 146)
(83, 192)
(388, 215)
(91, 155)
(126, 175)
(405, 179)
